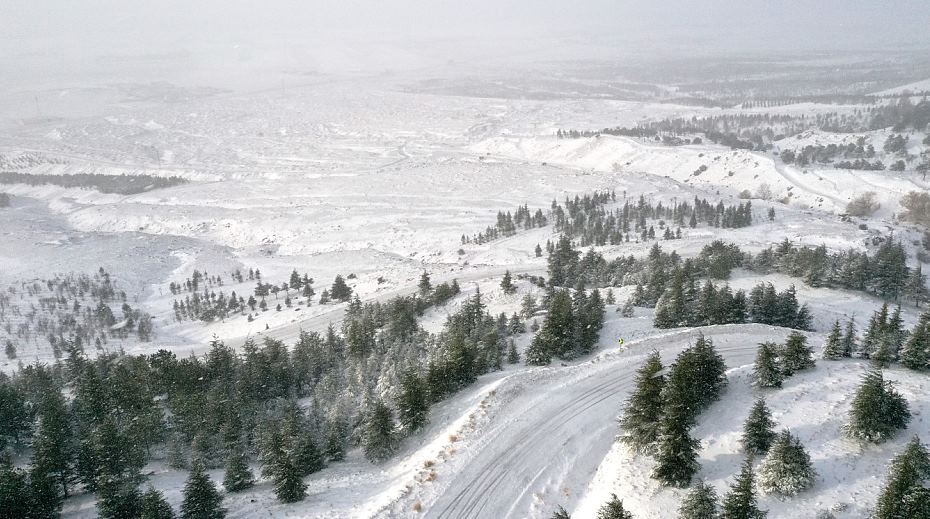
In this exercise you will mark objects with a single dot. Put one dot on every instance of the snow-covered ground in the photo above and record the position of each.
(357, 175)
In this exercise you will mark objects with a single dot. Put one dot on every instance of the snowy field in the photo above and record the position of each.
(361, 175)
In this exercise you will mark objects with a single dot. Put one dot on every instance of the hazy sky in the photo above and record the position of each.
(54, 36)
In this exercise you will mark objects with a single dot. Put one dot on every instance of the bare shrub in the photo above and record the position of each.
(863, 205)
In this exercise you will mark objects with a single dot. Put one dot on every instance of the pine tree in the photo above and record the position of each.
(609, 297)
(507, 284)
(740, 501)
(878, 411)
(699, 503)
(676, 451)
(766, 371)
(424, 286)
(916, 352)
(52, 446)
(379, 435)
(643, 410)
(786, 469)
(873, 333)
(335, 441)
(340, 291)
(513, 356)
(613, 509)
(307, 457)
(758, 430)
(14, 491)
(154, 506)
(904, 495)
(797, 355)
(117, 498)
(833, 347)
(201, 499)
(560, 513)
(627, 310)
(238, 475)
(288, 485)
(413, 402)
(849, 339)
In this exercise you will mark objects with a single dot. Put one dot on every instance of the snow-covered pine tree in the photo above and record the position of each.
(833, 346)
(905, 495)
(627, 310)
(117, 498)
(201, 499)
(609, 297)
(786, 469)
(849, 342)
(699, 503)
(740, 501)
(873, 333)
(796, 354)
(916, 352)
(676, 451)
(307, 456)
(643, 410)
(560, 513)
(238, 476)
(878, 411)
(425, 286)
(766, 371)
(758, 430)
(413, 402)
(379, 440)
(507, 283)
(154, 506)
(613, 509)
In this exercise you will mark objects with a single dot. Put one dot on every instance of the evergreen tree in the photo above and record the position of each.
(379, 434)
(201, 499)
(874, 332)
(613, 509)
(796, 355)
(560, 513)
(740, 501)
(758, 430)
(288, 485)
(340, 291)
(513, 356)
(699, 503)
(424, 286)
(905, 495)
(766, 371)
(154, 506)
(609, 297)
(676, 451)
(786, 469)
(643, 410)
(118, 498)
(833, 347)
(507, 284)
(916, 352)
(14, 491)
(307, 457)
(878, 411)
(335, 441)
(52, 446)
(413, 402)
(849, 339)
(238, 475)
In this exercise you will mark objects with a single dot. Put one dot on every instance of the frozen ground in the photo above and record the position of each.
(367, 176)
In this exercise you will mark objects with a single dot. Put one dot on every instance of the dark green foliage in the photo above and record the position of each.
(758, 431)
(560, 513)
(380, 437)
(238, 475)
(201, 499)
(413, 402)
(833, 347)
(699, 503)
(916, 352)
(288, 485)
(740, 501)
(119, 184)
(767, 371)
(52, 443)
(796, 354)
(14, 416)
(904, 495)
(571, 328)
(335, 441)
(507, 284)
(878, 411)
(14, 491)
(154, 506)
(340, 291)
(424, 286)
(786, 469)
(643, 410)
(613, 509)
(117, 499)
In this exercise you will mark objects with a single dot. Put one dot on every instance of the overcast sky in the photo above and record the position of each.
(357, 34)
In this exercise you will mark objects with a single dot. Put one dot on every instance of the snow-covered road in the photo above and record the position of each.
(549, 438)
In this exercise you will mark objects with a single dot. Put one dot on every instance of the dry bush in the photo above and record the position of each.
(917, 207)
(863, 205)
